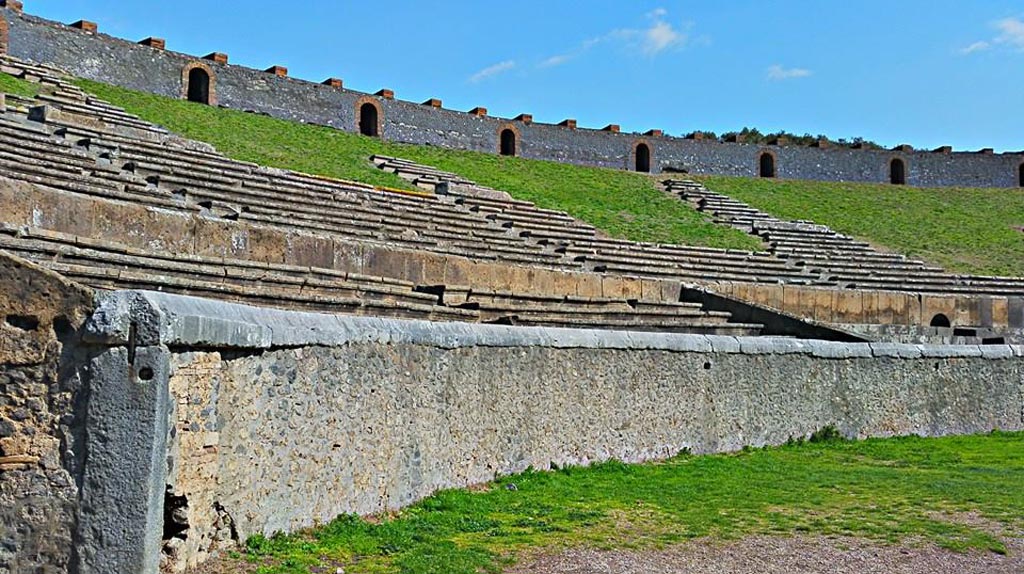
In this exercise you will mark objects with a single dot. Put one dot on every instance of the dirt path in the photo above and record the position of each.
(780, 555)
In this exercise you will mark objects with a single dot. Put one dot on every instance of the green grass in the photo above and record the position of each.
(886, 490)
(962, 229)
(18, 87)
(623, 204)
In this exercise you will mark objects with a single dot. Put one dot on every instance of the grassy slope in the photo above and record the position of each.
(882, 489)
(11, 85)
(623, 204)
(961, 229)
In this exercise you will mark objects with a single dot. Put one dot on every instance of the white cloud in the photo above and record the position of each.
(778, 73)
(1011, 35)
(660, 37)
(491, 71)
(1011, 32)
(652, 40)
(976, 47)
(554, 61)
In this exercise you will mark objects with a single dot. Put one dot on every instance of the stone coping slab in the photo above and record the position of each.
(147, 318)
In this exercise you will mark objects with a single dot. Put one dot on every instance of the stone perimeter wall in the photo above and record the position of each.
(284, 419)
(103, 58)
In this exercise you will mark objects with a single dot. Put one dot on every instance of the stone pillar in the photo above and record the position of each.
(122, 498)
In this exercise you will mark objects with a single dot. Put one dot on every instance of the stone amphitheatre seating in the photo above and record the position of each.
(504, 307)
(108, 265)
(66, 140)
(834, 257)
(584, 247)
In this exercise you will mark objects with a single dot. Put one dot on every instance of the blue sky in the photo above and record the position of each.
(924, 72)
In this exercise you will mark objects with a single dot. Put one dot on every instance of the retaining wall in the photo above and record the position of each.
(874, 307)
(284, 419)
(157, 229)
(96, 56)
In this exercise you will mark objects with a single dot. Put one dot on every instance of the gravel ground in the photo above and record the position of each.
(753, 555)
(771, 555)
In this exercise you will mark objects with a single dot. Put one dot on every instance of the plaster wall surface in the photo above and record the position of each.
(104, 58)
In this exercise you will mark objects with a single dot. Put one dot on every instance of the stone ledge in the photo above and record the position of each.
(182, 321)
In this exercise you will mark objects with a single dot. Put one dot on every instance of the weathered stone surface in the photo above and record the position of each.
(121, 519)
(304, 434)
(40, 433)
(330, 414)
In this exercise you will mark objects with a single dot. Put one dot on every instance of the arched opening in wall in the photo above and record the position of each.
(1020, 175)
(198, 86)
(940, 320)
(369, 120)
(508, 142)
(766, 165)
(643, 158)
(897, 172)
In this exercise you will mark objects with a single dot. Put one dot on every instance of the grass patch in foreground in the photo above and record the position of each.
(623, 204)
(880, 489)
(18, 87)
(966, 230)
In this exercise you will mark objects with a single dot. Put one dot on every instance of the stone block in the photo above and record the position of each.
(433, 268)
(1000, 312)
(871, 313)
(525, 118)
(217, 57)
(884, 306)
(632, 288)
(847, 306)
(589, 285)
(85, 26)
(334, 82)
(650, 290)
(613, 128)
(791, 300)
(385, 93)
(563, 283)
(901, 309)
(309, 251)
(279, 71)
(968, 311)
(985, 309)
(771, 296)
(13, 5)
(934, 305)
(478, 111)
(568, 123)
(156, 43)
(823, 305)
(433, 103)
(654, 133)
(1015, 312)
